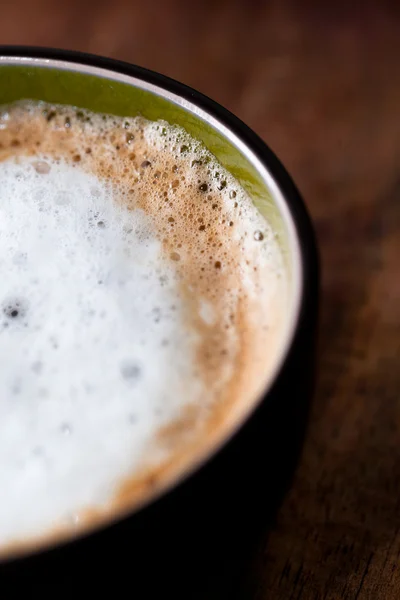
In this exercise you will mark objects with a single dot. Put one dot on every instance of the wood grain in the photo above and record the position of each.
(321, 84)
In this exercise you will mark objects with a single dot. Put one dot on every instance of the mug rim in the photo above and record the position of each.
(302, 243)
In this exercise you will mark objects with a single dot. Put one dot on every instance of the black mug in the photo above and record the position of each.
(198, 537)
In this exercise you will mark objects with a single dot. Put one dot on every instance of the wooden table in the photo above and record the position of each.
(322, 86)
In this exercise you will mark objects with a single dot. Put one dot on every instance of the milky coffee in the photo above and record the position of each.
(142, 301)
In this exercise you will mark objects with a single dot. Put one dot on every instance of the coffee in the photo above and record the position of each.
(143, 300)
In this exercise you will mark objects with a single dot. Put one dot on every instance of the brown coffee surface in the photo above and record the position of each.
(224, 254)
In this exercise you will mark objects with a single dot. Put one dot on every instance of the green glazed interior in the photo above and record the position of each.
(104, 95)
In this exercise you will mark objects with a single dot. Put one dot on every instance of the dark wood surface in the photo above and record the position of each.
(321, 85)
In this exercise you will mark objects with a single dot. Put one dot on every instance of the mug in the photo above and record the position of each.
(206, 522)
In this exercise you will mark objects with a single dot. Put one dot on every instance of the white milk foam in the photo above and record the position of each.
(94, 361)
(142, 300)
